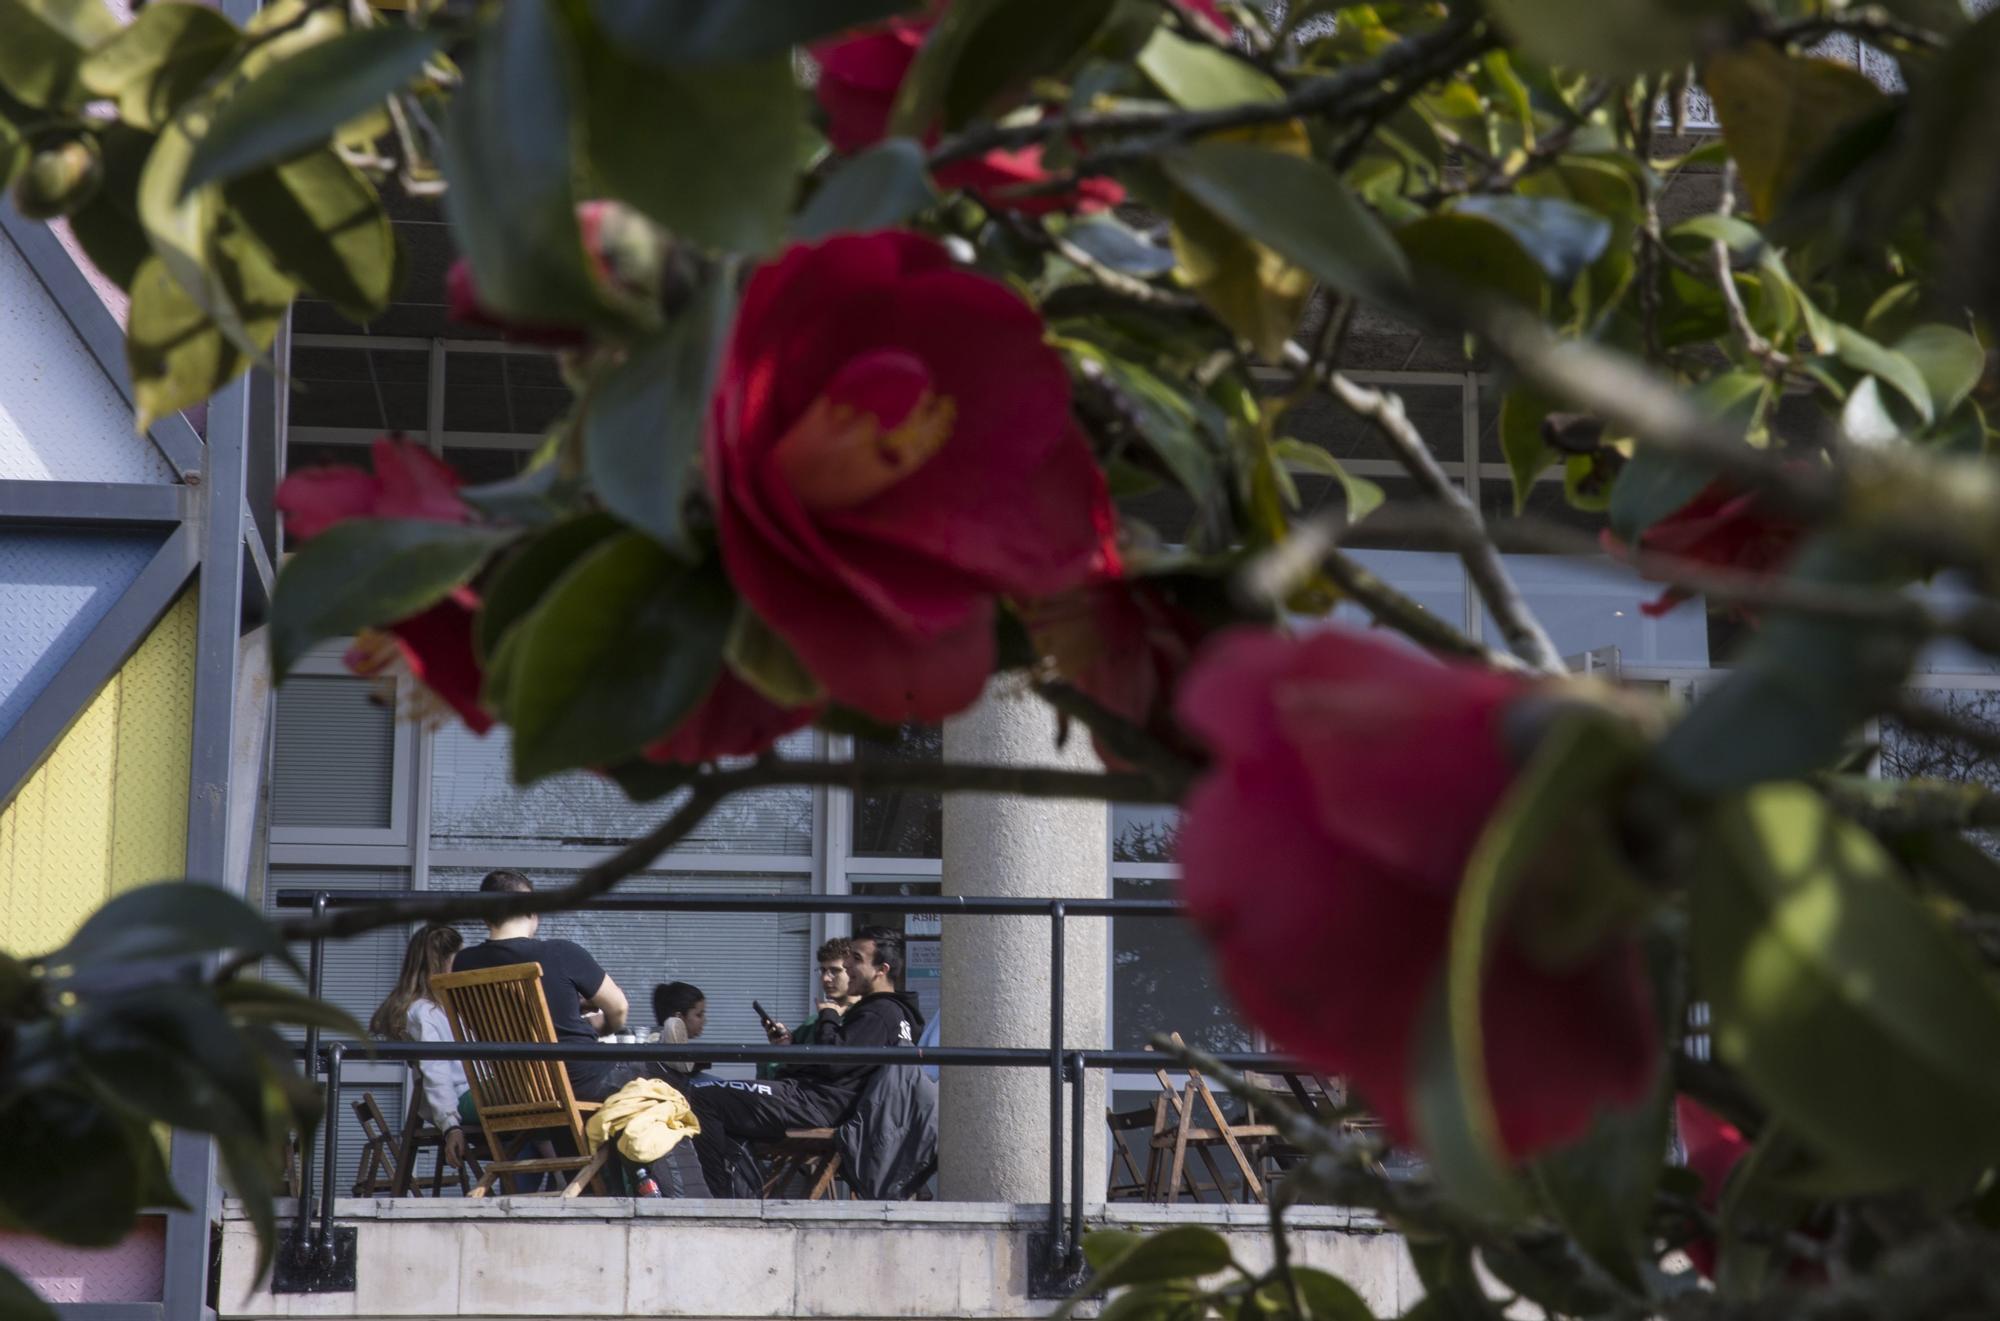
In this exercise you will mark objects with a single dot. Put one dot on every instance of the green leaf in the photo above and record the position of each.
(983, 50)
(1250, 288)
(1329, 1298)
(677, 32)
(1562, 237)
(19, 1302)
(525, 575)
(108, 224)
(1950, 361)
(1613, 37)
(765, 661)
(323, 225)
(1198, 75)
(1119, 247)
(512, 172)
(642, 433)
(1741, 237)
(1101, 1247)
(1655, 483)
(177, 354)
(877, 189)
(623, 647)
(299, 101)
(169, 1054)
(369, 572)
(711, 153)
(1788, 705)
(252, 1000)
(1297, 208)
(1186, 1252)
(1863, 354)
(172, 919)
(1862, 1025)
(1527, 453)
(1363, 496)
(160, 60)
(66, 1167)
(1778, 113)
(41, 59)
(1476, 256)
(1601, 1189)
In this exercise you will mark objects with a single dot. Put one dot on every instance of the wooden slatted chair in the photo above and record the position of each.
(806, 1156)
(376, 1174)
(517, 1098)
(1174, 1140)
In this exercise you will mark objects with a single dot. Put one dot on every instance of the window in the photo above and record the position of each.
(337, 759)
(1163, 978)
(901, 823)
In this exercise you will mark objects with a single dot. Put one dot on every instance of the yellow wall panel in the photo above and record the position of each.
(108, 809)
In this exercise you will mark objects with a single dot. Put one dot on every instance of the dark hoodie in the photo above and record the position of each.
(886, 1018)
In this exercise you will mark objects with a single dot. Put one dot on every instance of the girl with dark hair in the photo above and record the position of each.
(412, 1013)
(682, 1011)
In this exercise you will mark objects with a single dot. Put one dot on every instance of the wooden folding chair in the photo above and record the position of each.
(376, 1174)
(1185, 1135)
(806, 1155)
(1127, 1184)
(516, 1098)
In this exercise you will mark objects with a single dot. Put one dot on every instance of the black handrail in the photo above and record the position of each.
(1065, 1250)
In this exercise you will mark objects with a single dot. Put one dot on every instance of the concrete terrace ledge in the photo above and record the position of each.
(696, 1258)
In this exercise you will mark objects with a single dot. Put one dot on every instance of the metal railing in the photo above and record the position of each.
(1062, 1258)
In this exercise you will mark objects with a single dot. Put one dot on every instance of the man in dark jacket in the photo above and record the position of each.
(811, 1096)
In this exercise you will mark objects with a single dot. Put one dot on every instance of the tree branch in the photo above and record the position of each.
(1524, 633)
(1419, 58)
(706, 788)
(1903, 806)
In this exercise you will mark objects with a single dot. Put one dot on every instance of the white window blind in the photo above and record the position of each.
(733, 957)
(334, 759)
(474, 805)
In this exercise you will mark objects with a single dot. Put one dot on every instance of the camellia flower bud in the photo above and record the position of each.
(59, 178)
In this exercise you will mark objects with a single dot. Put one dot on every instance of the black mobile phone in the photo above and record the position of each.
(763, 1015)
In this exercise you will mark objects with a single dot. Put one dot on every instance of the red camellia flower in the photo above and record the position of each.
(1124, 643)
(889, 449)
(734, 720)
(860, 75)
(1713, 1147)
(1323, 856)
(1722, 527)
(407, 482)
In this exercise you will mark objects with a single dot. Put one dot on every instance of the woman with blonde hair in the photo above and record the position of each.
(412, 1013)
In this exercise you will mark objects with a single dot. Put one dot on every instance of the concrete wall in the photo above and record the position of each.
(614, 1257)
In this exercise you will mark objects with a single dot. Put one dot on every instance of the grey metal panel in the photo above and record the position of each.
(97, 504)
(56, 585)
(218, 631)
(111, 1311)
(90, 667)
(95, 325)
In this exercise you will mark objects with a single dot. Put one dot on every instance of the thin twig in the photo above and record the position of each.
(1873, 25)
(1167, 771)
(1775, 362)
(1903, 806)
(1457, 39)
(1524, 633)
(705, 789)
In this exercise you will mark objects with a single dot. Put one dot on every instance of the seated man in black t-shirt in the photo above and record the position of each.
(583, 1000)
(733, 1113)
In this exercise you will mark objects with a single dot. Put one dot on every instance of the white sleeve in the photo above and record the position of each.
(443, 1080)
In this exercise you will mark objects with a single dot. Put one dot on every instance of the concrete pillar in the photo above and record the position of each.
(994, 1123)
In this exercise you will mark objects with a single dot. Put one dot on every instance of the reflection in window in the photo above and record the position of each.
(475, 805)
(1163, 979)
(901, 823)
(1146, 833)
(1910, 755)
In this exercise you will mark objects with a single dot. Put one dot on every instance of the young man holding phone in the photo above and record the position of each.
(832, 992)
(808, 1096)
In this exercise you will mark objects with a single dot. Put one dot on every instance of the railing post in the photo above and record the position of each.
(1058, 1250)
(1073, 1244)
(323, 1250)
(315, 981)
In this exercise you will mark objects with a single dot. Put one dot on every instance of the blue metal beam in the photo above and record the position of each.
(103, 651)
